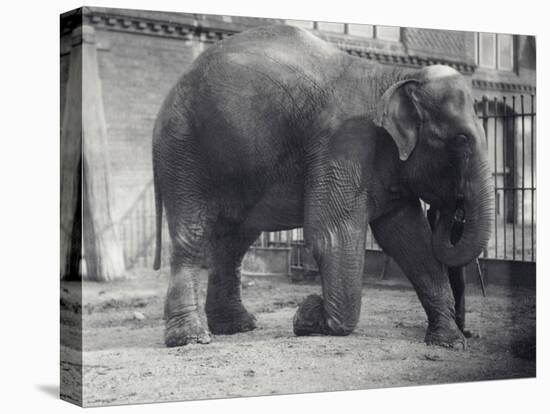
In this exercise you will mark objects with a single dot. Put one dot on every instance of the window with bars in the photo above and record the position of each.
(388, 33)
(495, 51)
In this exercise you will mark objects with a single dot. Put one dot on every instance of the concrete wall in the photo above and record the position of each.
(495, 272)
(264, 261)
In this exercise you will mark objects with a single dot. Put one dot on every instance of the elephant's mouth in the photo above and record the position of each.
(459, 220)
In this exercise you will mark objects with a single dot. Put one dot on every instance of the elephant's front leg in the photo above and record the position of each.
(406, 236)
(340, 255)
(335, 232)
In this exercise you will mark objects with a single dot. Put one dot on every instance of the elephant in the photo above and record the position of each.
(273, 129)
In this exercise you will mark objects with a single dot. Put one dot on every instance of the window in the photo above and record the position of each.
(505, 52)
(363, 30)
(487, 50)
(304, 24)
(389, 33)
(331, 27)
(495, 51)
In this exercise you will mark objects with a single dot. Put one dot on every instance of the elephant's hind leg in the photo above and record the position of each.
(224, 308)
(183, 324)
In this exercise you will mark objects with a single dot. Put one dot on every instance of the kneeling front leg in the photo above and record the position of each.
(339, 252)
(335, 220)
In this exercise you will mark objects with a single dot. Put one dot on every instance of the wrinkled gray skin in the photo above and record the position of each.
(274, 129)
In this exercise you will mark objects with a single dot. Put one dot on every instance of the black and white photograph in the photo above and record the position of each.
(255, 206)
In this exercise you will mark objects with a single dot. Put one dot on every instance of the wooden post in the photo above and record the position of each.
(70, 160)
(102, 251)
(85, 131)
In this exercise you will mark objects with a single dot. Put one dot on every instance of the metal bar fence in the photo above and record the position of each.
(511, 141)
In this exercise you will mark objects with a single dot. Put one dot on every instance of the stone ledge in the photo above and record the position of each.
(164, 24)
(406, 60)
(503, 86)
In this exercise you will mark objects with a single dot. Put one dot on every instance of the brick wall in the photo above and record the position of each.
(136, 74)
(137, 67)
(445, 44)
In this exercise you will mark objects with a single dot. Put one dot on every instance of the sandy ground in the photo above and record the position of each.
(125, 361)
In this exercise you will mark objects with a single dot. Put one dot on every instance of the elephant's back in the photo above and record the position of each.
(252, 99)
(278, 44)
(265, 59)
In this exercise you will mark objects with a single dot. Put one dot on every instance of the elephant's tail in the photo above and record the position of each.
(158, 212)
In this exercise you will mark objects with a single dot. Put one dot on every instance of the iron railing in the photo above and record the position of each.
(511, 138)
(136, 229)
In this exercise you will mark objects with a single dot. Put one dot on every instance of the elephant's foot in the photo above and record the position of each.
(446, 335)
(183, 330)
(310, 317)
(228, 321)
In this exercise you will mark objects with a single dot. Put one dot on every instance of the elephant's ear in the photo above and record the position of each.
(399, 113)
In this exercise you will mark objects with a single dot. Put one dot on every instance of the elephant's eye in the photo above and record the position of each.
(462, 139)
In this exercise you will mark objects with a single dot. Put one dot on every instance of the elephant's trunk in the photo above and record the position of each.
(462, 232)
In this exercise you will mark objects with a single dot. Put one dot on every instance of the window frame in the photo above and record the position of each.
(376, 34)
(345, 31)
(499, 54)
(481, 51)
(344, 27)
(372, 30)
(496, 55)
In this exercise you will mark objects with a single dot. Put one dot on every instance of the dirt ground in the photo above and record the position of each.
(125, 361)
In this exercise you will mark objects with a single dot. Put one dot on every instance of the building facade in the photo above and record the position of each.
(141, 54)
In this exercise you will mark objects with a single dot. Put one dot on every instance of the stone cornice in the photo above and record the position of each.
(171, 25)
(151, 27)
(405, 59)
(503, 86)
